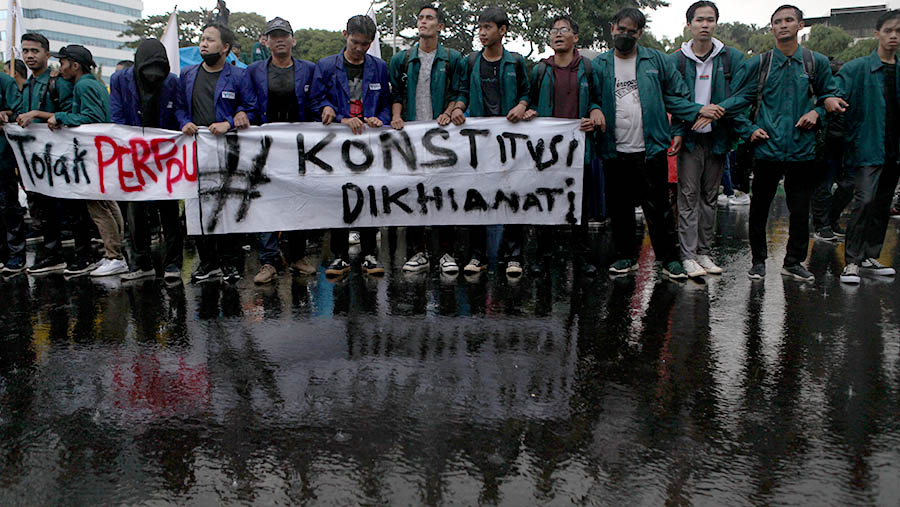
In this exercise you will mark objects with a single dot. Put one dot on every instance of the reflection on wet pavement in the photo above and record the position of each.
(423, 390)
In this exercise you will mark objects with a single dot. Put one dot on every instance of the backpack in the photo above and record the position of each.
(765, 67)
(404, 76)
(726, 67)
(52, 91)
(542, 71)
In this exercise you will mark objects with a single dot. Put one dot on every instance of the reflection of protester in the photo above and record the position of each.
(338, 94)
(215, 95)
(12, 248)
(90, 104)
(281, 85)
(144, 96)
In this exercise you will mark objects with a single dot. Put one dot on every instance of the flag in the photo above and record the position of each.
(169, 40)
(14, 31)
(375, 48)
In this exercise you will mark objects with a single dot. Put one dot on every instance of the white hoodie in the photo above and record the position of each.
(703, 82)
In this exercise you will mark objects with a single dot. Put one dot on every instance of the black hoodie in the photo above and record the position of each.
(150, 61)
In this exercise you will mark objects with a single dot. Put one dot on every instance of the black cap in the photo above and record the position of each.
(76, 53)
(279, 24)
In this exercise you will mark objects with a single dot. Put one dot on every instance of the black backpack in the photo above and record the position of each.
(726, 67)
(52, 91)
(765, 67)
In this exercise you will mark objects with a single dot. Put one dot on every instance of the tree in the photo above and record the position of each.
(313, 44)
(761, 42)
(828, 40)
(862, 47)
(246, 25)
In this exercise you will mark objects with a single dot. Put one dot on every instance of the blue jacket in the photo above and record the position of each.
(258, 74)
(330, 88)
(231, 82)
(125, 102)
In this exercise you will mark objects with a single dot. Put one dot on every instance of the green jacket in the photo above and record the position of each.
(722, 130)
(447, 63)
(36, 97)
(785, 99)
(541, 99)
(10, 100)
(513, 84)
(661, 89)
(90, 103)
(861, 83)
(259, 52)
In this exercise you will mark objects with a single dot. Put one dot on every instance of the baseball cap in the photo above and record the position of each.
(76, 53)
(278, 24)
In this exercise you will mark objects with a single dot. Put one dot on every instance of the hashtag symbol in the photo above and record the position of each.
(227, 188)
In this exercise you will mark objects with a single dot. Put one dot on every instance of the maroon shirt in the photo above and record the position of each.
(565, 88)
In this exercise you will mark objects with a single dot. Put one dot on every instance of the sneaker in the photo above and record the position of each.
(110, 267)
(850, 274)
(230, 274)
(337, 267)
(825, 234)
(353, 238)
(675, 271)
(416, 263)
(34, 237)
(204, 274)
(474, 266)
(757, 272)
(895, 210)
(514, 268)
(693, 268)
(172, 273)
(267, 274)
(722, 200)
(873, 266)
(623, 266)
(137, 274)
(302, 268)
(739, 199)
(82, 267)
(47, 265)
(448, 265)
(638, 211)
(798, 272)
(14, 266)
(708, 265)
(371, 265)
(839, 231)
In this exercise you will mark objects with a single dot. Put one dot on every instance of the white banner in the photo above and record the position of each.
(309, 176)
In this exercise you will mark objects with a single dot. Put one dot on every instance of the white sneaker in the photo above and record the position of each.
(722, 200)
(353, 238)
(110, 267)
(708, 265)
(693, 269)
(448, 265)
(850, 274)
(416, 263)
(873, 266)
(739, 199)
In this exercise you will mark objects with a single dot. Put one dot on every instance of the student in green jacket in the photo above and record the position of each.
(426, 82)
(565, 85)
(260, 51)
(497, 85)
(871, 85)
(11, 212)
(90, 104)
(639, 85)
(701, 153)
(784, 137)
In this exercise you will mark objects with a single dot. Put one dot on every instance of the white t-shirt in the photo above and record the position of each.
(629, 122)
(424, 111)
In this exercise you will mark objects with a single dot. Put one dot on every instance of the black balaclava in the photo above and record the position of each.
(151, 67)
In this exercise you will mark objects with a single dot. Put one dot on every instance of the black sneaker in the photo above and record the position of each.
(47, 265)
(337, 267)
(757, 272)
(172, 273)
(231, 274)
(204, 274)
(14, 266)
(80, 267)
(825, 234)
(371, 265)
(34, 237)
(798, 272)
(838, 230)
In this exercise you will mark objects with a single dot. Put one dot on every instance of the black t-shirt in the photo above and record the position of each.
(490, 87)
(892, 113)
(355, 83)
(203, 100)
(283, 105)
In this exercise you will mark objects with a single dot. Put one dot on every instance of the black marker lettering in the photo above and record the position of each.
(424, 198)
(475, 200)
(473, 144)
(548, 194)
(512, 200)
(449, 157)
(387, 198)
(573, 145)
(537, 152)
(502, 149)
(531, 201)
(310, 156)
(350, 215)
(389, 142)
(373, 203)
(512, 136)
(361, 146)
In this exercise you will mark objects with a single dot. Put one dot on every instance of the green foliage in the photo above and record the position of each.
(313, 44)
(863, 47)
(828, 40)
(760, 43)
(246, 25)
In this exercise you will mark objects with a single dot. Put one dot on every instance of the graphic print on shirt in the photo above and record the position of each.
(626, 88)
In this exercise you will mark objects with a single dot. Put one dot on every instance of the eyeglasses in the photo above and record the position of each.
(562, 31)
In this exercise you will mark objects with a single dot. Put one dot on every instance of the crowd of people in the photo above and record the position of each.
(706, 104)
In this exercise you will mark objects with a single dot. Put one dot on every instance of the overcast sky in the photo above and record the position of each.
(668, 21)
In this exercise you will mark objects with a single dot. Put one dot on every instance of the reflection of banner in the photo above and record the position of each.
(105, 162)
(311, 176)
(487, 171)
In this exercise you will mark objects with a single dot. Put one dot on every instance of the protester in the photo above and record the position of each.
(426, 82)
(144, 96)
(565, 85)
(352, 87)
(260, 49)
(12, 249)
(871, 86)
(215, 95)
(281, 87)
(787, 89)
(826, 207)
(21, 73)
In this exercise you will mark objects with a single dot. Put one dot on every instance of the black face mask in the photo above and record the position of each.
(152, 78)
(211, 59)
(624, 42)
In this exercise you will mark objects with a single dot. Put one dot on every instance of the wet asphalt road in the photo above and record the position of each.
(419, 390)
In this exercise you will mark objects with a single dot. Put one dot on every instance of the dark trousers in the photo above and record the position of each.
(632, 179)
(53, 211)
(268, 247)
(417, 239)
(822, 198)
(340, 242)
(870, 212)
(580, 232)
(478, 242)
(13, 217)
(799, 182)
(218, 250)
(140, 218)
